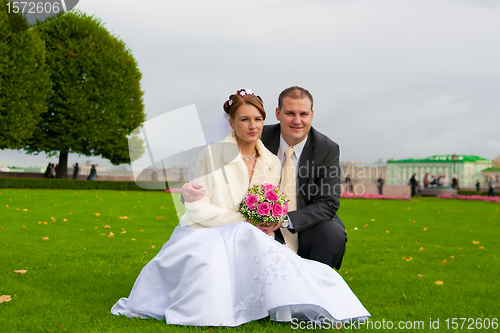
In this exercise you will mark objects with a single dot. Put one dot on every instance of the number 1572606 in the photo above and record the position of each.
(32, 7)
(471, 323)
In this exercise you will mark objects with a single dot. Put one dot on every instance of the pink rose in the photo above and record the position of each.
(263, 209)
(285, 208)
(268, 187)
(251, 201)
(271, 195)
(277, 210)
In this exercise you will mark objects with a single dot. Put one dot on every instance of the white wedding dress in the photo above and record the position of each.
(230, 275)
(218, 271)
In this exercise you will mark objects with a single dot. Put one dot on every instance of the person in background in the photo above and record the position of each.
(478, 185)
(439, 180)
(348, 183)
(52, 171)
(426, 180)
(443, 181)
(413, 183)
(93, 173)
(76, 168)
(491, 187)
(380, 184)
(454, 183)
(47, 171)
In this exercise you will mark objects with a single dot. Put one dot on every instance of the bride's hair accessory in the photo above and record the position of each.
(243, 96)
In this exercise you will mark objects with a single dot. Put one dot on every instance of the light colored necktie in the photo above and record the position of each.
(289, 187)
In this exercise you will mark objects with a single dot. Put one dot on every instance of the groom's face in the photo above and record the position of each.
(295, 118)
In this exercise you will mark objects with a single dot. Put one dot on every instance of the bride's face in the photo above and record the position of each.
(248, 123)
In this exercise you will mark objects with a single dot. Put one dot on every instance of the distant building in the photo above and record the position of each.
(495, 173)
(362, 172)
(35, 169)
(467, 168)
(496, 162)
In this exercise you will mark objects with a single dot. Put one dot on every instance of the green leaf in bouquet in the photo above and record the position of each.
(256, 221)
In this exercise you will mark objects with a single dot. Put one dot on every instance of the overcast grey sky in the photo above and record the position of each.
(390, 78)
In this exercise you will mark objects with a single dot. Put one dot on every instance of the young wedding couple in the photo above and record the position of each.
(219, 270)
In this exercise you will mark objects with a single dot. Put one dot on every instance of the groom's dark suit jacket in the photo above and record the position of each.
(318, 178)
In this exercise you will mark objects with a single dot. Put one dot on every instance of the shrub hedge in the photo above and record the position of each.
(77, 184)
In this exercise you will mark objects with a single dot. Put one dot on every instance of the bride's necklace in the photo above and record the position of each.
(248, 158)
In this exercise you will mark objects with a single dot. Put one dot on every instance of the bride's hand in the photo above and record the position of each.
(269, 230)
(263, 228)
(192, 192)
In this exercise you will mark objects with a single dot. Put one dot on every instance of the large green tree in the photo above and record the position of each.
(96, 100)
(24, 82)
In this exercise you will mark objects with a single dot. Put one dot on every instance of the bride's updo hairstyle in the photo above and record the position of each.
(243, 96)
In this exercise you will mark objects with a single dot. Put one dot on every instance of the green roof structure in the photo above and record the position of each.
(492, 169)
(442, 159)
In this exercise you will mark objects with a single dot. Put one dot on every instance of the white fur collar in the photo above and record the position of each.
(265, 154)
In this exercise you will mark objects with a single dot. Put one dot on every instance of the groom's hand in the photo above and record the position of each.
(192, 192)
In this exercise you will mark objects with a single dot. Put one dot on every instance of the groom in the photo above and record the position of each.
(321, 234)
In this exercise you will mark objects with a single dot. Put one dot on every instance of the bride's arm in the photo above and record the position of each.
(205, 211)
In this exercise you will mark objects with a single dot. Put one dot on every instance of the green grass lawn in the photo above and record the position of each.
(396, 252)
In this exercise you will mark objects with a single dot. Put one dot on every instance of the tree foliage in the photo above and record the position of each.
(18, 21)
(96, 100)
(24, 83)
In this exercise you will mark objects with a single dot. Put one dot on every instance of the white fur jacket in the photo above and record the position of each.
(224, 177)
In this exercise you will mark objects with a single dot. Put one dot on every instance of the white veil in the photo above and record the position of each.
(219, 131)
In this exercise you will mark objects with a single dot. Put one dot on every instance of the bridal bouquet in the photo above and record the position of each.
(264, 204)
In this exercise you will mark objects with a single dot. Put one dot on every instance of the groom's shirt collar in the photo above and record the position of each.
(297, 151)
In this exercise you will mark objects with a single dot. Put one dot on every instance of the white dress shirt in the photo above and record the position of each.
(297, 151)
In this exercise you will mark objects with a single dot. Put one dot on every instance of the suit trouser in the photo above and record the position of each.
(323, 242)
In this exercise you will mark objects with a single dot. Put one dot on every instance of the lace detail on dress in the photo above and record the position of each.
(251, 302)
(277, 263)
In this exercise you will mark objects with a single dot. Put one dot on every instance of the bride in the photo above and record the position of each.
(219, 270)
